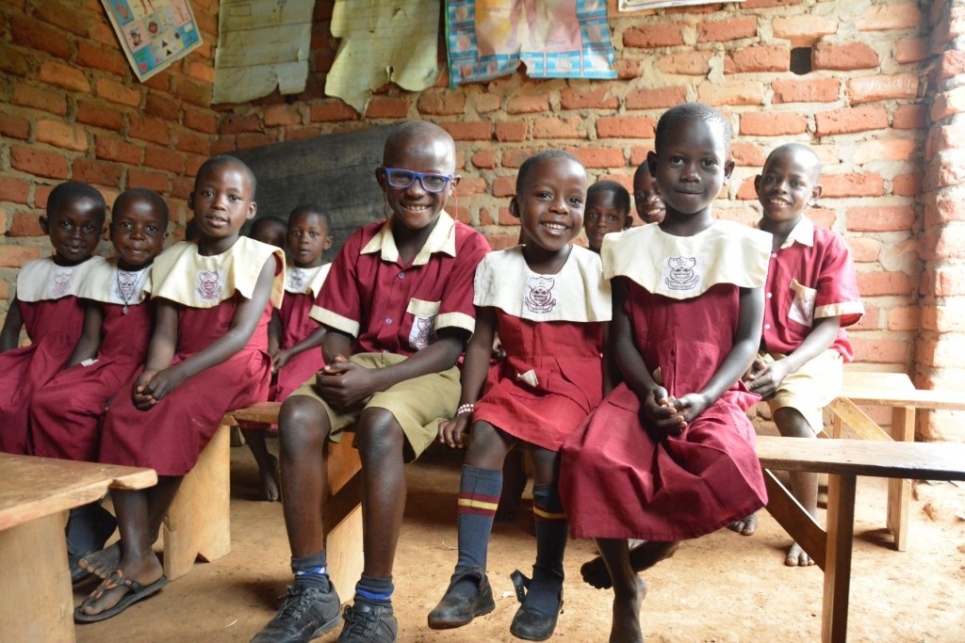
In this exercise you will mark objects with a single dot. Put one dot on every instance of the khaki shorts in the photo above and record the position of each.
(811, 388)
(417, 403)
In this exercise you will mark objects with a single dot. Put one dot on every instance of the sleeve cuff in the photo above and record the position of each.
(334, 320)
(456, 320)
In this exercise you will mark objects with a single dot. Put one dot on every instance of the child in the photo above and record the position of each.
(815, 296)
(646, 196)
(669, 454)
(548, 301)
(270, 230)
(46, 304)
(213, 299)
(607, 210)
(297, 353)
(397, 306)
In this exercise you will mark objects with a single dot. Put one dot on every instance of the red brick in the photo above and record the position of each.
(945, 351)
(599, 157)
(880, 219)
(906, 185)
(803, 30)
(109, 60)
(200, 120)
(656, 98)
(822, 217)
(513, 158)
(868, 89)
(198, 144)
(844, 57)
(627, 69)
(652, 36)
(150, 129)
(388, 108)
(193, 91)
(765, 4)
(772, 123)
(4, 286)
(60, 134)
(910, 117)
(201, 71)
(114, 149)
(592, 97)
(511, 131)
(14, 190)
(60, 75)
(497, 240)
(746, 191)
(235, 124)
(723, 30)
(945, 243)
(249, 141)
(625, 127)
(150, 180)
(48, 100)
(952, 64)
(484, 159)
(224, 144)
(14, 127)
(330, 111)
(892, 149)
(688, 63)
(527, 104)
(99, 115)
(97, 172)
(848, 185)
(903, 318)
(441, 103)
(944, 281)
(757, 59)
(16, 256)
(12, 61)
(61, 15)
(469, 130)
(850, 120)
(116, 92)
(470, 185)
(163, 159)
(34, 34)
(554, 127)
(818, 90)
(875, 283)
(747, 154)
(912, 50)
(41, 194)
(193, 163)
(864, 249)
(282, 115)
(880, 351)
(504, 186)
(888, 17)
(162, 106)
(734, 92)
(38, 162)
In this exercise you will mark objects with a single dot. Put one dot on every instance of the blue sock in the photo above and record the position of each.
(552, 531)
(374, 591)
(311, 571)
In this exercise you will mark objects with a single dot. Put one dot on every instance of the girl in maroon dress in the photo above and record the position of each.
(548, 301)
(669, 454)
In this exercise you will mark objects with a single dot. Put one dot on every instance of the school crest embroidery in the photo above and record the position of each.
(60, 283)
(681, 275)
(297, 279)
(540, 296)
(802, 308)
(209, 284)
(125, 285)
(421, 332)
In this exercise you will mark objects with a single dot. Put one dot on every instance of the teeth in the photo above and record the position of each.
(554, 226)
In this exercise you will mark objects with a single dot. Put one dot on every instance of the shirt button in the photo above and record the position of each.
(388, 320)
(401, 275)
(774, 254)
(769, 295)
(767, 326)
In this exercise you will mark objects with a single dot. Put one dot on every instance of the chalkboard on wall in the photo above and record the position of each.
(335, 171)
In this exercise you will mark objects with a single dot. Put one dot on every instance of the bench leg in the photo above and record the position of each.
(198, 522)
(899, 491)
(837, 569)
(36, 601)
(342, 517)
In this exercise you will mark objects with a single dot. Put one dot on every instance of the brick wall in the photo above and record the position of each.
(71, 110)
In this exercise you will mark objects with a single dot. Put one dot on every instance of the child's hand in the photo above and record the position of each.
(690, 406)
(452, 432)
(766, 379)
(343, 384)
(159, 386)
(278, 360)
(142, 400)
(660, 412)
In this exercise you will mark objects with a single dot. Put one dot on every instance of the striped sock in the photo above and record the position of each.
(311, 571)
(479, 491)
(374, 591)
(552, 531)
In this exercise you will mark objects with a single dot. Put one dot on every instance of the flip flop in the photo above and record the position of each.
(137, 592)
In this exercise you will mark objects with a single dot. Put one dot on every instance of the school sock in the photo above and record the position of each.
(374, 591)
(479, 491)
(552, 531)
(311, 571)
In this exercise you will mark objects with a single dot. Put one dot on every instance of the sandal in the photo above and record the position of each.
(136, 592)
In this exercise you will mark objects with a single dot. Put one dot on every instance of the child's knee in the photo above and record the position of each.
(791, 423)
(378, 433)
(301, 422)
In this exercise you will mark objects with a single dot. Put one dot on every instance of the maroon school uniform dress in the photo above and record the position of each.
(53, 318)
(65, 414)
(550, 327)
(619, 479)
(169, 437)
(302, 286)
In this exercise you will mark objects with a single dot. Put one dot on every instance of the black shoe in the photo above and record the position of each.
(305, 612)
(367, 623)
(529, 624)
(456, 611)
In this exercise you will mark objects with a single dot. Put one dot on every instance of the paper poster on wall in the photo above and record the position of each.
(553, 38)
(153, 33)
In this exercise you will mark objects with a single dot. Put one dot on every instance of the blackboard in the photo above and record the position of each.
(335, 171)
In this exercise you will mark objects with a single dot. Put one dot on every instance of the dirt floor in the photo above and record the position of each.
(721, 588)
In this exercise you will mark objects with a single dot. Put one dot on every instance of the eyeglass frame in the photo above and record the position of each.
(417, 176)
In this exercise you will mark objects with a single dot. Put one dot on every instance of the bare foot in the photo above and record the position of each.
(269, 480)
(745, 527)
(626, 616)
(797, 557)
(110, 593)
(102, 563)
(643, 556)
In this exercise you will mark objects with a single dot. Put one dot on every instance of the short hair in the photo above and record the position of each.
(526, 169)
(150, 196)
(419, 129)
(262, 222)
(621, 196)
(68, 191)
(310, 208)
(226, 159)
(676, 116)
(797, 148)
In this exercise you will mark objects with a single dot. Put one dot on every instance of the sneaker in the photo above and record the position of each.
(455, 610)
(367, 623)
(305, 612)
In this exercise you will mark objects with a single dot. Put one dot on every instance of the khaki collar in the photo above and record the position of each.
(441, 239)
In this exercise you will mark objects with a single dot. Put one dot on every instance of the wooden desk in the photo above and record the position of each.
(36, 601)
(844, 460)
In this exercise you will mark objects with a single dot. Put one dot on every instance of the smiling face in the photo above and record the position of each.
(74, 227)
(788, 184)
(691, 166)
(308, 239)
(646, 196)
(423, 149)
(603, 216)
(138, 230)
(222, 202)
(550, 203)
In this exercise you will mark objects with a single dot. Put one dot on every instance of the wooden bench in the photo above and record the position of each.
(844, 460)
(36, 494)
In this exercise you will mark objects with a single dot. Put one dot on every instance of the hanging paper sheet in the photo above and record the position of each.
(553, 38)
(153, 33)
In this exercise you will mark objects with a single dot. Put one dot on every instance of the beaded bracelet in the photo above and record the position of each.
(465, 408)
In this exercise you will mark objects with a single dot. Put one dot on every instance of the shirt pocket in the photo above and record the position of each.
(802, 303)
(424, 315)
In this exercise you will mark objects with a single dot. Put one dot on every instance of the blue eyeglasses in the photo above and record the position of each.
(402, 179)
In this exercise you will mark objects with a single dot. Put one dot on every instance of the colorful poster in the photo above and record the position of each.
(153, 33)
(553, 38)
